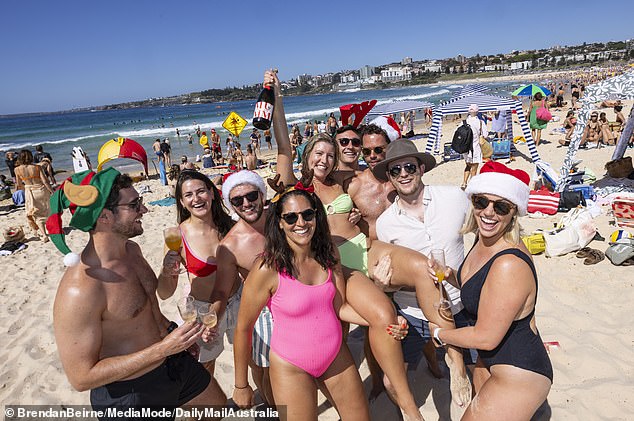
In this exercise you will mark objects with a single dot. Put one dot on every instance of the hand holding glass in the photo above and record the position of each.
(173, 239)
(438, 264)
(208, 316)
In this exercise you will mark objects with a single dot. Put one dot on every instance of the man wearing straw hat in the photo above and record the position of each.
(111, 336)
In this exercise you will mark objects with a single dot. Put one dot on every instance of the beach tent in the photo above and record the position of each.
(460, 105)
(121, 148)
(471, 89)
(617, 87)
(396, 107)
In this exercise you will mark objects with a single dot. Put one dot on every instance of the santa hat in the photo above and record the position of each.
(239, 178)
(500, 180)
(85, 194)
(389, 125)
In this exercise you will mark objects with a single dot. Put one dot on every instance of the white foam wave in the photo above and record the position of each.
(26, 145)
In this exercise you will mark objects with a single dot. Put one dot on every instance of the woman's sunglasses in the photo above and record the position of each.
(377, 150)
(344, 141)
(291, 217)
(410, 168)
(251, 197)
(500, 207)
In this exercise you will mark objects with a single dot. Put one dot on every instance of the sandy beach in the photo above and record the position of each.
(584, 308)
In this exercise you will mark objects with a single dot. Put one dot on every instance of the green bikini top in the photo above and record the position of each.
(342, 204)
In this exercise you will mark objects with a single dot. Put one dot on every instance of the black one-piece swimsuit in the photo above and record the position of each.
(520, 347)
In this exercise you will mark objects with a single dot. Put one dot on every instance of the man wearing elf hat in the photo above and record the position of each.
(244, 194)
(111, 336)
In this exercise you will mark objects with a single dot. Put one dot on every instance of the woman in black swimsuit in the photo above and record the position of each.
(499, 289)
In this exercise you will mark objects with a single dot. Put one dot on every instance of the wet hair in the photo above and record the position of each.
(25, 157)
(279, 255)
(121, 181)
(369, 129)
(538, 96)
(348, 128)
(39, 148)
(313, 141)
(218, 213)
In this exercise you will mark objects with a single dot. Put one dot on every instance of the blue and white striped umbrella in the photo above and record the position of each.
(471, 89)
(399, 107)
(484, 102)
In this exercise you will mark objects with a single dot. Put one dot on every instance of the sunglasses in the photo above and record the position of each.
(356, 142)
(377, 150)
(251, 197)
(134, 205)
(500, 207)
(410, 168)
(291, 217)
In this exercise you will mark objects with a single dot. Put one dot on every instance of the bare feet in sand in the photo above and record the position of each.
(460, 385)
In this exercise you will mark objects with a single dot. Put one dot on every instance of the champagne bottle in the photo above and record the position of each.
(263, 113)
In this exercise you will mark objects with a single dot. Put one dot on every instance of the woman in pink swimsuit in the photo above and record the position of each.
(203, 222)
(299, 278)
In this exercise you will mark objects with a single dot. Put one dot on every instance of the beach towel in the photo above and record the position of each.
(36, 201)
(168, 201)
(11, 247)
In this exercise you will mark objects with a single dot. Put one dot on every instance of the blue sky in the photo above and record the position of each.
(64, 54)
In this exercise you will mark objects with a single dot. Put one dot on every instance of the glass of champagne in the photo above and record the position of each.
(187, 309)
(438, 264)
(207, 315)
(173, 239)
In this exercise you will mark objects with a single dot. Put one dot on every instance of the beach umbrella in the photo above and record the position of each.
(474, 88)
(530, 90)
(399, 107)
(121, 148)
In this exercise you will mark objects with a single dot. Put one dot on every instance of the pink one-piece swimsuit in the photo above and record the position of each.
(307, 332)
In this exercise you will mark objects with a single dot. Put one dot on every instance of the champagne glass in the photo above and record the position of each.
(439, 266)
(208, 315)
(173, 239)
(187, 309)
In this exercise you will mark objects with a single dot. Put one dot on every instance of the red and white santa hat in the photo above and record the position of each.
(389, 125)
(500, 180)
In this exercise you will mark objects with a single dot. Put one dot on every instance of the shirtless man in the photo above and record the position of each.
(244, 193)
(348, 140)
(156, 147)
(111, 336)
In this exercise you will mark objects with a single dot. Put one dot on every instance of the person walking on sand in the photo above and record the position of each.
(45, 160)
(167, 152)
(473, 158)
(498, 284)
(536, 124)
(37, 192)
(111, 336)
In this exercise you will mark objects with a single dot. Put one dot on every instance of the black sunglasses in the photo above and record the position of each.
(500, 207)
(377, 150)
(410, 168)
(134, 205)
(251, 197)
(343, 141)
(291, 217)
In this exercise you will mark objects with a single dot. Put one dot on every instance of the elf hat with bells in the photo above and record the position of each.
(85, 194)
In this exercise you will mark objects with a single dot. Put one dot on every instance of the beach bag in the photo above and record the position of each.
(569, 199)
(623, 211)
(535, 243)
(574, 231)
(486, 147)
(462, 141)
(543, 114)
(544, 201)
(620, 168)
(620, 251)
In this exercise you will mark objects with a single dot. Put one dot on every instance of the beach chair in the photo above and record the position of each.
(501, 148)
(449, 154)
(551, 177)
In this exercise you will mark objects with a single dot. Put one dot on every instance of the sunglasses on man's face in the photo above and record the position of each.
(500, 207)
(410, 169)
(344, 141)
(378, 150)
(251, 197)
(291, 217)
(135, 205)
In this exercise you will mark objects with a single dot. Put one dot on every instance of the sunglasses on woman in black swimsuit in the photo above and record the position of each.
(500, 207)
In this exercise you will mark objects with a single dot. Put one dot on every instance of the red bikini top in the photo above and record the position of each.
(195, 265)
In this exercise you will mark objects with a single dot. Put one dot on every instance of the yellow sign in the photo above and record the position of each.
(234, 123)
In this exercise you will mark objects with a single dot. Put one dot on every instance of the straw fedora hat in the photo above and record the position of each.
(398, 149)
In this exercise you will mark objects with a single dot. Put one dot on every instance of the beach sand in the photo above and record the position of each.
(584, 308)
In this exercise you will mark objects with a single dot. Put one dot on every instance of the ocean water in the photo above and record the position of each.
(58, 133)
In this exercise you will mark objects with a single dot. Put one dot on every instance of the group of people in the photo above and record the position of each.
(286, 277)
